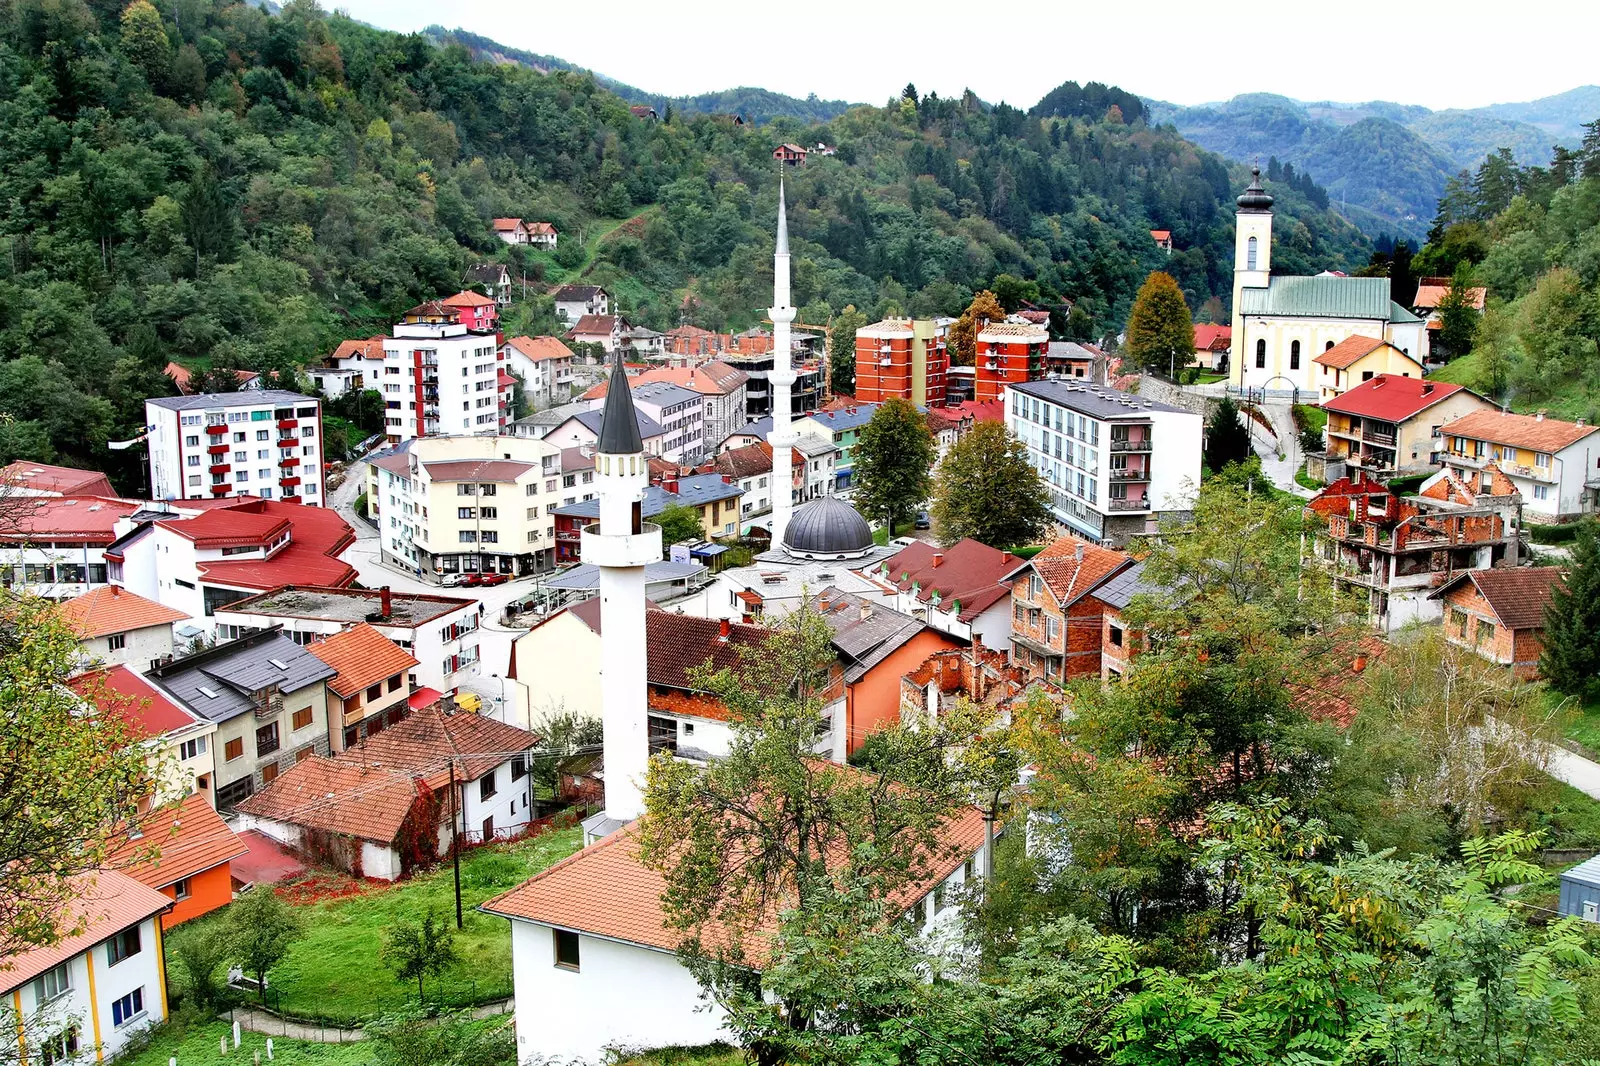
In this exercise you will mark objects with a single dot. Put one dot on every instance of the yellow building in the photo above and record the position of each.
(1389, 426)
(1357, 359)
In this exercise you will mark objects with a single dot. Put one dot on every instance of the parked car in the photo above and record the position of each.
(451, 581)
(923, 521)
(478, 580)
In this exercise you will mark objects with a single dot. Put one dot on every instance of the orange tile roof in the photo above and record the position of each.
(466, 298)
(1071, 578)
(105, 903)
(187, 839)
(1349, 351)
(363, 657)
(65, 480)
(1334, 693)
(114, 609)
(540, 348)
(1520, 431)
(1517, 595)
(607, 890)
(506, 224)
(1208, 337)
(712, 378)
(371, 348)
(1430, 291)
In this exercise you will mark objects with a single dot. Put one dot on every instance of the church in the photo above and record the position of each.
(1282, 324)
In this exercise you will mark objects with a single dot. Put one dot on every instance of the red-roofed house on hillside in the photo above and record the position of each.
(180, 743)
(604, 330)
(790, 155)
(1163, 239)
(545, 366)
(542, 234)
(183, 378)
(1499, 614)
(89, 995)
(1389, 425)
(959, 590)
(183, 851)
(55, 546)
(1431, 293)
(1357, 358)
(382, 809)
(353, 365)
(1056, 622)
(41, 479)
(1212, 344)
(371, 683)
(1554, 464)
(118, 626)
(476, 311)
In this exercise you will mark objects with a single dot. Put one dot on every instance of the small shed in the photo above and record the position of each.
(1580, 891)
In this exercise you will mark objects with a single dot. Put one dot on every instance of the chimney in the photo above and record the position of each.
(938, 560)
(866, 611)
(1077, 553)
(1377, 382)
(116, 591)
(724, 627)
(1427, 387)
(727, 479)
(386, 604)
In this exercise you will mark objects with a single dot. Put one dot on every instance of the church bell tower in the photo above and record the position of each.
(1252, 263)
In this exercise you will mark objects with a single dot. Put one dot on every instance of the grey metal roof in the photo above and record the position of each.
(553, 416)
(585, 577)
(220, 683)
(245, 398)
(595, 422)
(1069, 350)
(656, 500)
(811, 445)
(1400, 314)
(1320, 297)
(1585, 873)
(703, 488)
(664, 393)
(864, 641)
(618, 432)
(1121, 589)
(1097, 401)
(1255, 199)
(827, 526)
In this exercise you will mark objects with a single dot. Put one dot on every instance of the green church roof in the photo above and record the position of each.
(1321, 297)
(1400, 314)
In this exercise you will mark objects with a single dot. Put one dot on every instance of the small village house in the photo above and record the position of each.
(544, 365)
(181, 745)
(183, 851)
(371, 683)
(1056, 621)
(491, 279)
(959, 590)
(1212, 345)
(476, 311)
(116, 626)
(1389, 425)
(1555, 465)
(510, 230)
(1357, 359)
(604, 330)
(575, 301)
(1499, 614)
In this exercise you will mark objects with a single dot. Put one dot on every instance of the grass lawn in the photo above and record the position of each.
(1306, 481)
(1209, 377)
(1468, 370)
(710, 1055)
(334, 972)
(196, 1045)
(1567, 819)
(1583, 723)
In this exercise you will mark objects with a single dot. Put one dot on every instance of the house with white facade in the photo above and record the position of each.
(441, 632)
(117, 626)
(604, 330)
(575, 301)
(958, 590)
(355, 365)
(440, 377)
(1114, 461)
(544, 366)
(719, 385)
(265, 443)
(55, 546)
(88, 995)
(1555, 465)
(491, 279)
(581, 429)
(181, 746)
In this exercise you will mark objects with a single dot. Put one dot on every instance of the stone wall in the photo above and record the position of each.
(1162, 391)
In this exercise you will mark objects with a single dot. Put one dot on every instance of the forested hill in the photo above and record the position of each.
(248, 190)
(751, 104)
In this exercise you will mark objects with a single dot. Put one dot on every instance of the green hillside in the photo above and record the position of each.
(246, 190)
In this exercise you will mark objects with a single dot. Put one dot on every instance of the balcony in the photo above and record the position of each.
(216, 427)
(1130, 445)
(218, 449)
(293, 460)
(288, 423)
(219, 490)
(289, 482)
(219, 468)
(1130, 475)
(1127, 505)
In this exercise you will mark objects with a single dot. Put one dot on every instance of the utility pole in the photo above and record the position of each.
(455, 839)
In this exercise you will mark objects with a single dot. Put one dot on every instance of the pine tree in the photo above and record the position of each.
(1227, 438)
(1571, 659)
(1160, 329)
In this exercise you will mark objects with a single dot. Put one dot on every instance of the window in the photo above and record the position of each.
(117, 641)
(127, 1008)
(489, 536)
(1250, 254)
(180, 888)
(375, 692)
(519, 768)
(394, 683)
(1294, 355)
(466, 490)
(486, 786)
(487, 490)
(491, 512)
(267, 739)
(1541, 492)
(302, 718)
(566, 943)
(1261, 351)
(59, 1048)
(124, 945)
(1541, 459)
(467, 536)
(1116, 636)
(191, 748)
(1485, 631)
(233, 749)
(52, 983)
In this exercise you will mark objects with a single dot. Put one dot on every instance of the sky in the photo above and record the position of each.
(1189, 53)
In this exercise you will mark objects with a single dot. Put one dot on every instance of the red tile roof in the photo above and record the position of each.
(988, 411)
(61, 480)
(187, 839)
(229, 528)
(501, 225)
(1333, 694)
(968, 572)
(1517, 595)
(501, 470)
(371, 348)
(1070, 576)
(504, 380)
(363, 657)
(1348, 352)
(677, 643)
(1208, 338)
(713, 378)
(317, 536)
(1161, 234)
(114, 609)
(181, 377)
(540, 348)
(105, 903)
(542, 229)
(91, 519)
(1391, 398)
(466, 298)
(1520, 431)
(594, 325)
(144, 710)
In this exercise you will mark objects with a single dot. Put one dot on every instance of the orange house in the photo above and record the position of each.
(1057, 620)
(183, 852)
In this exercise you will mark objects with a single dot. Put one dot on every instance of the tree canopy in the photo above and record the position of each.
(893, 459)
(985, 488)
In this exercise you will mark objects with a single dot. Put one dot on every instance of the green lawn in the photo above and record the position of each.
(1568, 820)
(710, 1055)
(1306, 481)
(1468, 370)
(1583, 723)
(197, 1045)
(334, 972)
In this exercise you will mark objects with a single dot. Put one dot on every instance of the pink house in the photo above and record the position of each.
(477, 312)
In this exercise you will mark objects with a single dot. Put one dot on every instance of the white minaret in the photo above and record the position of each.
(1252, 264)
(621, 544)
(783, 437)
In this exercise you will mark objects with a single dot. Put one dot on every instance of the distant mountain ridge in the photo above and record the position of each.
(753, 104)
(1384, 163)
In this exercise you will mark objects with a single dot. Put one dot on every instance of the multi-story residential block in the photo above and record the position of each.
(1009, 353)
(269, 699)
(181, 746)
(371, 689)
(1394, 551)
(1499, 614)
(1356, 359)
(572, 518)
(118, 626)
(904, 358)
(441, 632)
(439, 377)
(839, 428)
(466, 505)
(265, 443)
(55, 546)
(1056, 621)
(1389, 425)
(807, 394)
(1115, 462)
(1555, 465)
(678, 411)
(87, 996)
(720, 386)
(575, 301)
(544, 366)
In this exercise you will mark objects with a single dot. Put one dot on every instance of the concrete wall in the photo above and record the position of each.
(1154, 388)
(508, 807)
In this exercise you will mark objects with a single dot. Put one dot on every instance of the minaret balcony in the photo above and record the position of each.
(622, 549)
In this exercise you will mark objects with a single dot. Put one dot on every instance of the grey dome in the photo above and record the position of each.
(1255, 198)
(827, 528)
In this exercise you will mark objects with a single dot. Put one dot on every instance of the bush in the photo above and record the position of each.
(1564, 533)
(361, 505)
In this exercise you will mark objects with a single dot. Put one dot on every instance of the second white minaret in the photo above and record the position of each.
(621, 544)
(781, 379)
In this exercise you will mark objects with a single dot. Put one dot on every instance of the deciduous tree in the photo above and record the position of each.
(679, 522)
(893, 462)
(986, 489)
(842, 349)
(1160, 329)
(962, 341)
(260, 929)
(413, 950)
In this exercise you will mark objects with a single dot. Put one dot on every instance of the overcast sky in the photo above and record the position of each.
(1467, 54)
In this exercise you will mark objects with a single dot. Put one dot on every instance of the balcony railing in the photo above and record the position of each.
(287, 423)
(1129, 445)
(218, 449)
(218, 490)
(219, 468)
(216, 427)
(1128, 505)
(1130, 475)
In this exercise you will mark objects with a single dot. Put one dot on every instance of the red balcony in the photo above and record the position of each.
(215, 429)
(219, 468)
(287, 423)
(293, 460)
(219, 490)
(288, 482)
(218, 449)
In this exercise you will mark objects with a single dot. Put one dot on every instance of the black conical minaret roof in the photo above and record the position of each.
(619, 425)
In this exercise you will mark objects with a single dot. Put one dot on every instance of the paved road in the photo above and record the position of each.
(1582, 774)
(1267, 446)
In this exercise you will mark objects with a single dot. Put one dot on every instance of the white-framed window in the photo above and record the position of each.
(52, 983)
(1541, 492)
(117, 641)
(128, 1008)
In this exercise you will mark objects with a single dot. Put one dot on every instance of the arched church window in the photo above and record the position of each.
(1250, 255)
(1294, 355)
(1261, 353)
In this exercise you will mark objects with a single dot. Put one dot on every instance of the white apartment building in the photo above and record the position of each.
(466, 505)
(440, 632)
(1114, 462)
(439, 378)
(544, 366)
(265, 443)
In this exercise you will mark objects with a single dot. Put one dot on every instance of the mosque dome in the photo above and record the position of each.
(1255, 198)
(827, 528)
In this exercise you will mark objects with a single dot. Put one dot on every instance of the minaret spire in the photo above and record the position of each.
(621, 544)
(781, 379)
